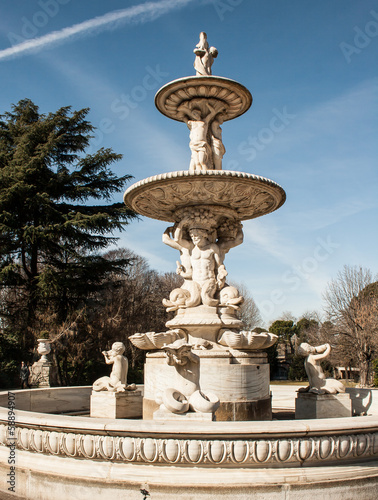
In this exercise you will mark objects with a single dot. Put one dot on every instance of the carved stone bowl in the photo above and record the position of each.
(244, 196)
(231, 94)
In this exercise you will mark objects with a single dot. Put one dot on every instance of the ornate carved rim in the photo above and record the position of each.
(234, 94)
(160, 196)
(226, 444)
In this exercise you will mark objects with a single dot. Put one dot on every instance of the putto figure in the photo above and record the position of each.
(318, 383)
(205, 56)
(117, 382)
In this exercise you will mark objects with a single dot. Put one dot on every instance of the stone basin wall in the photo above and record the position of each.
(112, 457)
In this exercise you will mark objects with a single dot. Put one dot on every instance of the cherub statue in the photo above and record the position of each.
(318, 383)
(117, 382)
(205, 56)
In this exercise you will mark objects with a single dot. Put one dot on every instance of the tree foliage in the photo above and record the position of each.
(352, 308)
(132, 304)
(53, 220)
(249, 312)
(286, 332)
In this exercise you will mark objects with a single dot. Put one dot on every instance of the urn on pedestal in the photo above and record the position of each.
(43, 372)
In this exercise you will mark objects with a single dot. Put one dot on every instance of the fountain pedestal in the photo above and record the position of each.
(107, 404)
(162, 415)
(309, 405)
(43, 372)
(239, 379)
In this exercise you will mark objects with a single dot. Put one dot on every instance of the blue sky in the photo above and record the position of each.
(312, 70)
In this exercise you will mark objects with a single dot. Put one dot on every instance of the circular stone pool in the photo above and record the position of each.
(61, 456)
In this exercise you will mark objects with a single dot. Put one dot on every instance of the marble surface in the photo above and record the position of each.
(163, 415)
(116, 404)
(241, 195)
(96, 480)
(51, 399)
(309, 405)
(231, 378)
(234, 96)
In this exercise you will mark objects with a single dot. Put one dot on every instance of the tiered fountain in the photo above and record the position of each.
(205, 353)
(204, 367)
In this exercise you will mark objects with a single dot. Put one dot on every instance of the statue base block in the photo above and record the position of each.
(106, 404)
(42, 374)
(309, 405)
(239, 379)
(163, 415)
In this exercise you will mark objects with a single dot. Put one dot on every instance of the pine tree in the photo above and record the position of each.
(56, 215)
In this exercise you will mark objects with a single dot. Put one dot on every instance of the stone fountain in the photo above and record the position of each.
(205, 206)
(204, 366)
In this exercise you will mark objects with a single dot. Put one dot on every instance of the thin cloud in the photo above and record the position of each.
(142, 13)
(326, 216)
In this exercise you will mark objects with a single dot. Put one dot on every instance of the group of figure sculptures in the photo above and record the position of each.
(204, 117)
(185, 393)
(205, 56)
(203, 235)
(202, 252)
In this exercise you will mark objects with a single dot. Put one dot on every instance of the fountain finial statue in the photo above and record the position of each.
(205, 56)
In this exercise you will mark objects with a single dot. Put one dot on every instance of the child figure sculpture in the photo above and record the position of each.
(318, 383)
(117, 382)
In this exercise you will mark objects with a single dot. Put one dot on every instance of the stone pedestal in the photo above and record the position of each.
(239, 379)
(309, 405)
(162, 415)
(42, 374)
(106, 404)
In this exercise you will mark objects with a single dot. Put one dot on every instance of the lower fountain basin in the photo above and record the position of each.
(93, 458)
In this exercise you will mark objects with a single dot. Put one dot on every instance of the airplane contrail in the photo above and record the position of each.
(138, 13)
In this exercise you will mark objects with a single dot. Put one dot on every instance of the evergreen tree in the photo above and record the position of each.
(287, 331)
(53, 226)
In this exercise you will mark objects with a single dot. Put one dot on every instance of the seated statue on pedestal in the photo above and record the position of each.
(318, 383)
(117, 382)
